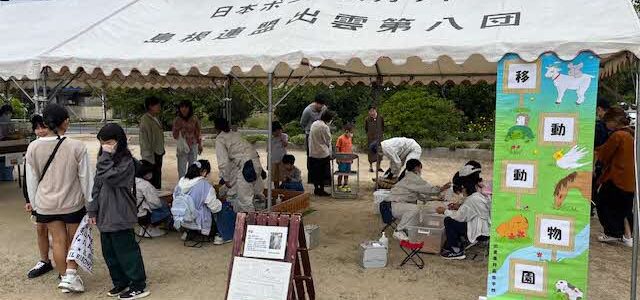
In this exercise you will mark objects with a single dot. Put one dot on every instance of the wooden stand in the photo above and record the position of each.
(301, 283)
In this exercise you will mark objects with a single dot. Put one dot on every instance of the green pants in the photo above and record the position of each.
(123, 258)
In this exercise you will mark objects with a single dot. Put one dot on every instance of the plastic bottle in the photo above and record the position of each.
(384, 240)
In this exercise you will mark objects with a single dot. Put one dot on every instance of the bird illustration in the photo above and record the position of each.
(571, 160)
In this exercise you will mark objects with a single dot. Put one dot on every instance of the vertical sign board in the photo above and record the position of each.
(545, 118)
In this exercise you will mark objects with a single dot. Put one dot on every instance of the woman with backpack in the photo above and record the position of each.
(59, 182)
(195, 204)
(114, 211)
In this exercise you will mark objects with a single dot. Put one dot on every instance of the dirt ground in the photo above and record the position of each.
(177, 272)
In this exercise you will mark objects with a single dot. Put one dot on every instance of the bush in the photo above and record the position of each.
(485, 145)
(429, 144)
(417, 114)
(471, 136)
(254, 138)
(293, 128)
(457, 145)
(297, 139)
(19, 108)
(257, 121)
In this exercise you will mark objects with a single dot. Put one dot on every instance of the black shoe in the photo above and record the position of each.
(371, 170)
(380, 170)
(116, 291)
(321, 193)
(451, 255)
(134, 294)
(40, 269)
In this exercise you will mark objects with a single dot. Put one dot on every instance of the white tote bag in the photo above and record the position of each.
(181, 145)
(81, 250)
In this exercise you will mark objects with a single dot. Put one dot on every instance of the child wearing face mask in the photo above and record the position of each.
(344, 145)
(114, 211)
(149, 204)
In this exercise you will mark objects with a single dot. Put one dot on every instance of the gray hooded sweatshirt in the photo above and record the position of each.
(114, 205)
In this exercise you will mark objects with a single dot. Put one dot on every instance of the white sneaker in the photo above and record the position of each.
(217, 240)
(603, 238)
(184, 236)
(155, 232)
(627, 241)
(72, 283)
(400, 235)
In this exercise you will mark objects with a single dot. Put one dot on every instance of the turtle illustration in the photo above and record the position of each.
(520, 132)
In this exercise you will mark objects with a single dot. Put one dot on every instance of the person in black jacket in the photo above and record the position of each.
(44, 265)
(114, 211)
(601, 136)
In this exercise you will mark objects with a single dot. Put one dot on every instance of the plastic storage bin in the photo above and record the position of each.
(378, 197)
(373, 254)
(431, 220)
(433, 238)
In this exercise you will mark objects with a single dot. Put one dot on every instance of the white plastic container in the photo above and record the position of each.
(373, 254)
(312, 235)
(378, 197)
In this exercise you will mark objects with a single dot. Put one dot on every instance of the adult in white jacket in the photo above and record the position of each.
(472, 219)
(405, 195)
(399, 150)
(235, 154)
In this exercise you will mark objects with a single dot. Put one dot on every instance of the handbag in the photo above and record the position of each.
(181, 145)
(249, 172)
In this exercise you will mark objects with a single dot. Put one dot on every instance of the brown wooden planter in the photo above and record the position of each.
(292, 201)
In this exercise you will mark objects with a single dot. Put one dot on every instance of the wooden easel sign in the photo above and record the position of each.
(270, 259)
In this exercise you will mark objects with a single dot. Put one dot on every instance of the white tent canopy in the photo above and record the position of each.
(30, 28)
(356, 40)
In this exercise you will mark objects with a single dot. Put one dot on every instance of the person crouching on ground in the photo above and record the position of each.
(471, 220)
(114, 212)
(406, 193)
(150, 206)
(44, 265)
(59, 190)
(205, 202)
(344, 145)
(292, 176)
(617, 182)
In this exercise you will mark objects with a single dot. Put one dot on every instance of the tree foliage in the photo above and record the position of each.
(418, 114)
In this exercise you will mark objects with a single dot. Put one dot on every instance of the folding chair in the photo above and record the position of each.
(387, 216)
(195, 239)
(412, 250)
(480, 247)
(144, 223)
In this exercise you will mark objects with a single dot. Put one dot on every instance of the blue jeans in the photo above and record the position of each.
(186, 159)
(6, 173)
(292, 186)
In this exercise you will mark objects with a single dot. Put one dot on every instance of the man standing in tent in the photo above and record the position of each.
(399, 150)
(239, 167)
(152, 138)
(311, 114)
(374, 127)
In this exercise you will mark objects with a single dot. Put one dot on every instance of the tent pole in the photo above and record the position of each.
(636, 202)
(269, 138)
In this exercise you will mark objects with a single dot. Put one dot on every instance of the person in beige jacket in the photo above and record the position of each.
(152, 138)
(238, 166)
(58, 193)
(405, 195)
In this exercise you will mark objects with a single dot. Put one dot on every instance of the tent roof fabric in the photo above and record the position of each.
(351, 40)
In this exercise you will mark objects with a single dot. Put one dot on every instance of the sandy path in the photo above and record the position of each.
(176, 272)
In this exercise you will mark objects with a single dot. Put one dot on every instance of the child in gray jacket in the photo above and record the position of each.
(114, 211)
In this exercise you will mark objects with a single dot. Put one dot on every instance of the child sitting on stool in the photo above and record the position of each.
(292, 177)
(148, 202)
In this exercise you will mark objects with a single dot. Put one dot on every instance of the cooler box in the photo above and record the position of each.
(373, 254)
(378, 197)
(312, 235)
(433, 238)
(431, 220)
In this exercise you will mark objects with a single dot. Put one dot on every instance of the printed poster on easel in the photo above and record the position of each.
(545, 119)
